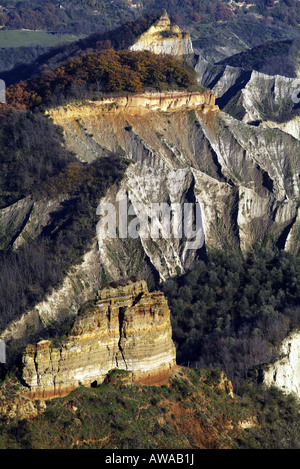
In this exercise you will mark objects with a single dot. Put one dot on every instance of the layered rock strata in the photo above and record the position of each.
(244, 178)
(129, 329)
(167, 101)
(135, 126)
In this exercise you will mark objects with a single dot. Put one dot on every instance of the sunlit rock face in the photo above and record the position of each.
(129, 328)
(285, 372)
(164, 38)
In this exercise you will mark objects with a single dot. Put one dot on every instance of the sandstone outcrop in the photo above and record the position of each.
(156, 101)
(164, 38)
(128, 329)
(134, 125)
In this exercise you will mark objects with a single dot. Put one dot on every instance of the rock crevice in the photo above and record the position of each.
(129, 328)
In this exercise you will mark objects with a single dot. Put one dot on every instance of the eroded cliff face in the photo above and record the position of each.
(252, 96)
(131, 125)
(265, 97)
(129, 328)
(164, 38)
(184, 150)
(285, 372)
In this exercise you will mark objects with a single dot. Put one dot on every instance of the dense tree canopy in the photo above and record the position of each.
(232, 311)
(102, 71)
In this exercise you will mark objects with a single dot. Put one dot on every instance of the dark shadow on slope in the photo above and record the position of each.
(240, 83)
(283, 237)
(216, 79)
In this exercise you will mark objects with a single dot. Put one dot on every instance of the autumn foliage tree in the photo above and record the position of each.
(105, 71)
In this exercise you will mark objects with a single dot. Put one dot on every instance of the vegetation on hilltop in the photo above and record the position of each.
(101, 72)
(120, 38)
(121, 415)
(243, 27)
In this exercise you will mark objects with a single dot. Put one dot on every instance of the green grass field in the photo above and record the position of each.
(19, 38)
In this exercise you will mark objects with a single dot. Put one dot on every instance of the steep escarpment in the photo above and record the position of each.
(184, 150)
(132, 125)
(129, 328)
(257, 98)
